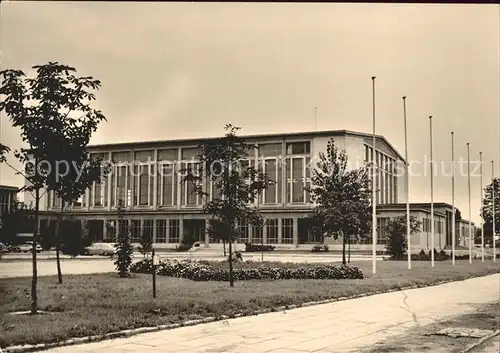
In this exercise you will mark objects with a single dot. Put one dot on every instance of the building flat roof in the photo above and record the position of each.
(9, 188)
(200, 140)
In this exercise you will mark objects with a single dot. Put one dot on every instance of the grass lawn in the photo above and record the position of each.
(102, 303)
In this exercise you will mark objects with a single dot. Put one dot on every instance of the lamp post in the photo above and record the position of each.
(493, 208)
(408, 230)
(432, 195)
(374, 206)
(453, 220)
(481, 198)
(470, 213)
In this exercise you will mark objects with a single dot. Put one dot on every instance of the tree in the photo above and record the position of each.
(73, 239)
(342, 196)
(73, 122)
(146, 243)
(34, 105)
(123, 245)
(397, 233)
(487, 210)
(218, 231)
(236, 183)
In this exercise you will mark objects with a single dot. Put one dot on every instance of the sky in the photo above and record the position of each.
(183, 70)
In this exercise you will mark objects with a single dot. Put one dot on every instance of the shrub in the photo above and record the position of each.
(202, 271)
(258, 248)
(183, 247)
(320, 248)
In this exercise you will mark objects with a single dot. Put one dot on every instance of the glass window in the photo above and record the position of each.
(270, 149)
(257, 234)
(166, 182)
(148, 228)
(123, 190)
(271, 169)
(174, 231)
(110, 228)
(161, 231)
(287, 230)
(190, 153)
(170, 155)
(298, 180)
(189, 194)
(136, 231)
(243, 229)
(272, 231)
(298, 148)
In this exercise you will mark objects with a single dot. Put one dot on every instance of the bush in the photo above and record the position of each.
(320, 248)
(438, 256)
(202, 271)
(258, 248)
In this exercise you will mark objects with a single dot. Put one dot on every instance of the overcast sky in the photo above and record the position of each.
(172, 70)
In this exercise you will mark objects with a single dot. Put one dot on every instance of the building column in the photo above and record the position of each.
(280, 229)
(154, 230)
(206, 233)
(264, 234)
(167, 231)
(295, 232)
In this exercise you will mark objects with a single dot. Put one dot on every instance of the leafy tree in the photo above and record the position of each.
(487, 210)
(123, 244)
(15, 221)
(146, 243)
(235, 184)
(47, 238)
(342, 196)
(72, 237)
(396, 240)
(31, 105)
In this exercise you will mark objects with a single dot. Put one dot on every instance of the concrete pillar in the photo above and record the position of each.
(264, 234)
(181, 230)
(295, 232)
(207, 224)
(167, 231)
(280, 230)
(154, 230)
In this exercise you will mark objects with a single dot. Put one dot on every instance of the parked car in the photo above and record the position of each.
(104, 249)
(28, 246)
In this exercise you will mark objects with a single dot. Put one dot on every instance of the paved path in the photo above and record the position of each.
(347, 326)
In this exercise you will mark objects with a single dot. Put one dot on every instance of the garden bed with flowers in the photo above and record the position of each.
(249, 270)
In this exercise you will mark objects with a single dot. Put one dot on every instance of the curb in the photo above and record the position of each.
(133, 332)
(471, 346)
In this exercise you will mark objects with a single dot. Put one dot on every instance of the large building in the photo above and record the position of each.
(145, 177)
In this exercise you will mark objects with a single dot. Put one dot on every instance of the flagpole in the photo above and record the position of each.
(453, 220)
(481, 198)
(408, 230)
(470, 213)
(374, 206)
(432, 195)
(493, 208)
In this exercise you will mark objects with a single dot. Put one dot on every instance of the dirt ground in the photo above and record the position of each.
(424, 339)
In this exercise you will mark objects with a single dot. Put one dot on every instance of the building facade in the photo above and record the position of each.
(8, 196)
(145, 178)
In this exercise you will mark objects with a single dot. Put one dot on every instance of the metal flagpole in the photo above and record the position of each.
(481, 198)
(453, 220)
(408, 230)
(374, 206)
(470, 213)
(432, 196)
(493, 208)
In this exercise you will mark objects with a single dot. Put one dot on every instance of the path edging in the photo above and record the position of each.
(471, 346)
(133, 332)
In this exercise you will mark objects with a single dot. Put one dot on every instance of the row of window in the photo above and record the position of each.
(125, 186)
(438, 226)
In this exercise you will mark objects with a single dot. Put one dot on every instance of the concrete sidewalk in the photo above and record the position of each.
(346, 326)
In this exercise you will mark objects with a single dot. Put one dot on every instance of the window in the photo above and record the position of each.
(270, 166)
(287, 231)
(298, 148)
(244, 232)
(296, 182)
(256, 234)
(161, 231)
(308, 179)
(381, 234)
(166, 184)
(174, 230)
(56, 200)
(110, 228)
(189, 195)
(121, 192)
(270, 150)
(136, 231)
(143, 175)
(99, 189)
(147, 230)
(272, 231)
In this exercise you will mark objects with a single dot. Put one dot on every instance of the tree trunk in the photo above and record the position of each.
(58, 244)
(349, 250)
(343, 249)
(231, 281)
(224, 246)
(34, 298)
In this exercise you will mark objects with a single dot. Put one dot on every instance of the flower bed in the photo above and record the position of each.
(203, 271)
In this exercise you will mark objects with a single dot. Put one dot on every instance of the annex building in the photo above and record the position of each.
(145, 179)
